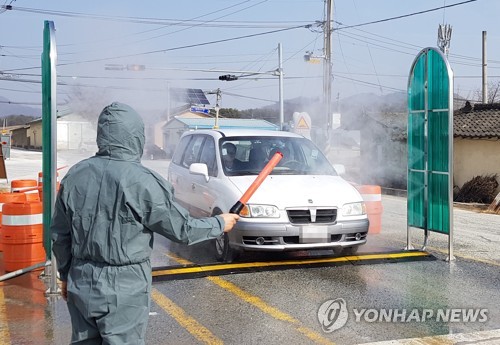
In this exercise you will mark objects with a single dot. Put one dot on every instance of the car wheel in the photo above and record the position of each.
(223, 251)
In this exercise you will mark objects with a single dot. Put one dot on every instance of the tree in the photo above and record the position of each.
(493, 94)
(229, 113)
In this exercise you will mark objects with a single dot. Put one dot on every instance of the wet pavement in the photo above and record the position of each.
(282, 305)
(279, 306)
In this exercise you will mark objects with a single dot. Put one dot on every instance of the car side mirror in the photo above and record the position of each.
(199, 169)
(339, 168)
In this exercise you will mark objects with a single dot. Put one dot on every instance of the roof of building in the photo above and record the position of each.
(208, 123)
(478, 121)
(246, 132)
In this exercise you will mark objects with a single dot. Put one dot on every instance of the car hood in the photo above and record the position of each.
(297, 191)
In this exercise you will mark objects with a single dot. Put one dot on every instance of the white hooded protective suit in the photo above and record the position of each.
(106, 211)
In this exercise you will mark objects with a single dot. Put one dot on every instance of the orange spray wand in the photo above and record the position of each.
(255, 184)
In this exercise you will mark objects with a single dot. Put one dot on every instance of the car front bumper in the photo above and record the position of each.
(255, 236)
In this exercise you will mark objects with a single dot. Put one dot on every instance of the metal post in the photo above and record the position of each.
(426, 152)
(168, 101)
(49, 144)
(327, 64)
(217, 107)
(451, 256)
(485, 71)
(280, 72)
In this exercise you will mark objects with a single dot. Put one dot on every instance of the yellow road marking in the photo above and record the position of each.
(4, 326)
(199, 269)
(260, 304)
(272, 311)
(190, 324)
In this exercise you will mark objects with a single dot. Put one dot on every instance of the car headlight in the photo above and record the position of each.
(354, 209)
(259, 211)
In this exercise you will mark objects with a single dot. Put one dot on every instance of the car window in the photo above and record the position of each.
(208, 156)
(234, 155)
(300, 156)
(192, 152)
(181, 148)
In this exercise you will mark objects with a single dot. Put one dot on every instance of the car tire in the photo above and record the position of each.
(223, 251)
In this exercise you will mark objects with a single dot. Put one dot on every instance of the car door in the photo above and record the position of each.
(187, 153)
(202, 198)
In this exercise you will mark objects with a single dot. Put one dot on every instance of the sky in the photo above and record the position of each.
(189, 44)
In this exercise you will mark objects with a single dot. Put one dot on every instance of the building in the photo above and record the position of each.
(72, 131)
(476, 145)
(154, 132)
(174, 128)
(476, 142)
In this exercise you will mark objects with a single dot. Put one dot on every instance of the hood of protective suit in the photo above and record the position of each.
(120, 133)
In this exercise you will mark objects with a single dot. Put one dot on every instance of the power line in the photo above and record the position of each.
(169, 49)
(162, 21)
(404, 16)
(248, 97)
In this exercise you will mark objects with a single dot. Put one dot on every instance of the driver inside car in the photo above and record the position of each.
(229, 157)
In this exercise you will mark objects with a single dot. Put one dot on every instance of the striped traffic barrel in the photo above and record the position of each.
(22, 235)
(372, 196)
(28, 187)
(8, 197)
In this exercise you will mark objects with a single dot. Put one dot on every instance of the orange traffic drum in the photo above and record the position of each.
(28, 187)
(5, 198)
(372, 196)
(22, 235)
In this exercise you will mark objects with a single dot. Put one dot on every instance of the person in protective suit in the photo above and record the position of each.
(105, 214)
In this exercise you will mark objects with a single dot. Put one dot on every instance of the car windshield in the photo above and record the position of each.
(248, 156)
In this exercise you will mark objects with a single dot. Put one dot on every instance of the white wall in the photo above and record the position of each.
(475, 157)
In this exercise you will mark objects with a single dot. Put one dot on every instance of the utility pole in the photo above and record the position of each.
(277, 72)
(217, 104)
(485, 71)
(168, 101)
(280, 73)
(327, 64)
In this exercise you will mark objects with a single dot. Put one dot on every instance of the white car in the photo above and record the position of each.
(303, 204)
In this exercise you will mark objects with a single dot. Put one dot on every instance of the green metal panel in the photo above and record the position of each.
(416, 200)
(48, 75)
(438, 217)
(416, 140)
(416, 92)
(416, 145)
(429, 142)
(438, 141)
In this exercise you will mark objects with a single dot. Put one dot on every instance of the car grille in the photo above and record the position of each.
(304, 216)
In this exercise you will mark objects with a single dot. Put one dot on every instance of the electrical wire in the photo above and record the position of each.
(345, 27)
(162, 21)
(405, 15)
(168, 49)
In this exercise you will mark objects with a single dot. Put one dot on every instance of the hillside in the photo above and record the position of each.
(7, 109)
